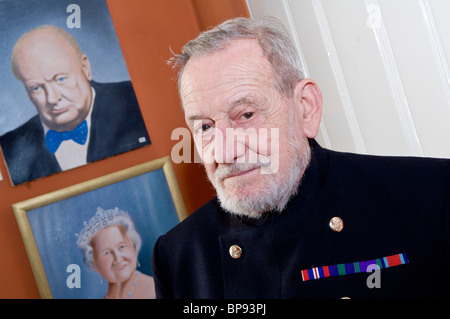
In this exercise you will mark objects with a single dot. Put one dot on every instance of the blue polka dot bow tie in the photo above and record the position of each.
(53, 138)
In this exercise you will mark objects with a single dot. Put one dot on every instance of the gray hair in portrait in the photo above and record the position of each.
(271, 35)
(101, 220)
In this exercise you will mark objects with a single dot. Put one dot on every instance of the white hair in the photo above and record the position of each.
(271, 36)
(101, 220)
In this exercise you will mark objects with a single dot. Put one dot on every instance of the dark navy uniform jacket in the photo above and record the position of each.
(116, 127)
(388, 205)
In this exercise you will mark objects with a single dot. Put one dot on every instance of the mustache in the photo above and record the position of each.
(224, 170)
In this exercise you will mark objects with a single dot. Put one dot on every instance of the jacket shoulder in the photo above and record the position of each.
(31, 127)
(119, 93)
(117, 123)
(22, 141)
(387, 168)
(198, 223)
(25, 152)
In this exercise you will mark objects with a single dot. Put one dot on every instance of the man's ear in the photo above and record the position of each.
(86, 67)
(308, 93)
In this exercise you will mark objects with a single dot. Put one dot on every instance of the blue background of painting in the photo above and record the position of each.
(147, 200)
(96, 38)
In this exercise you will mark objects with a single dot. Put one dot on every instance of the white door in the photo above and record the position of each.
(382, 67)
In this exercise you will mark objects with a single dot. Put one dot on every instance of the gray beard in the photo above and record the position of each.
(280, 187)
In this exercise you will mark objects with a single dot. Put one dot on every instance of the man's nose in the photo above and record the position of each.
(227, 145)
(53, 93)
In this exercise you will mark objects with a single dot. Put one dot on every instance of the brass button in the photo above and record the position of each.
(235, 251)
(336, 224)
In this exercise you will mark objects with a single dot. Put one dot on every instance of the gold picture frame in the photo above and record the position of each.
(49, 223)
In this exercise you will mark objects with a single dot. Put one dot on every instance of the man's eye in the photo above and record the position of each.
(205, 127)
(61, 79)
(247, 115)
(35, 89)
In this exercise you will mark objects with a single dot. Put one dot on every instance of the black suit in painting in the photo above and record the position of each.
(117, 126)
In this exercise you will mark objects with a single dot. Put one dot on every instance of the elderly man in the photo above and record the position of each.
(325, 224)
(78, 121)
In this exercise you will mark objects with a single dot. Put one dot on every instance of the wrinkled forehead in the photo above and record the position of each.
(222, 76)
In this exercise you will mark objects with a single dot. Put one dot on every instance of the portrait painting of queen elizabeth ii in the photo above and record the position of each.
(110, 245)
(94, 240)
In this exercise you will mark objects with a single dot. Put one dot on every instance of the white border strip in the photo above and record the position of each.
(393, 76)
(436, 44)
(339, 77)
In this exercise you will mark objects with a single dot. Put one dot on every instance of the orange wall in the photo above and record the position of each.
(146, 31)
